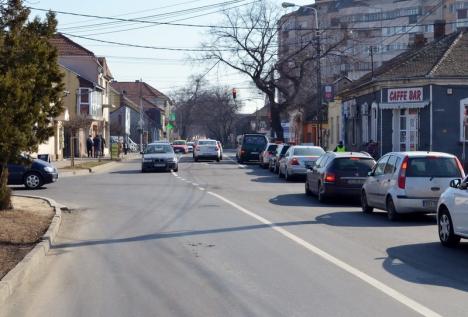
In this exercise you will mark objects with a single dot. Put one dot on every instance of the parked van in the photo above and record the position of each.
(250, 146)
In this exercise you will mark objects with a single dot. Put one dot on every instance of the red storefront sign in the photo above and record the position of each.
(405, 95)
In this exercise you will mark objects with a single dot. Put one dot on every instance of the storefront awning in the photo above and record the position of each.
(405, 105)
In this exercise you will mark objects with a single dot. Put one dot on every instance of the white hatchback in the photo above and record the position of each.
(407, 182)
(452, 213)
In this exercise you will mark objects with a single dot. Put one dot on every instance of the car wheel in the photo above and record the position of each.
(446, 235)
(307, 189)
(33, 180)
(270, 167)
(365, 206)
(392, 213)
(196, 159)
(175, 170)
(321, 196)
(217, 159)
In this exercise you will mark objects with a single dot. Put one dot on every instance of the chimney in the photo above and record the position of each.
(439, 29)
(419, 40)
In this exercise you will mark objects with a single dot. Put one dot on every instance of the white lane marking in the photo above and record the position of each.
(403, 299)
(201, 188)
(232, 160)
(182, 179)
(195, 184)
(175, 174)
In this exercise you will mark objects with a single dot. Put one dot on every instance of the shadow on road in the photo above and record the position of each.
(127, 172)
(429, 264)
(178, 234)
(379, 219)
(300, 199)
(22, 188)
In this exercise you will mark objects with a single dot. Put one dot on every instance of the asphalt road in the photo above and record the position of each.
(220, 239)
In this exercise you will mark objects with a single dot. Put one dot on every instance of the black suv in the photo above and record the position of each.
(338, 174)
(250, 146)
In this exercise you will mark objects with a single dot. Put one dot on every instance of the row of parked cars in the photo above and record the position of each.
(399, 182)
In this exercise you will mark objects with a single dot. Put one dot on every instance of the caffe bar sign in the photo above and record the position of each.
(405, 95)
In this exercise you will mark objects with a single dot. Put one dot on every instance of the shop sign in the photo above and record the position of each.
(405, 95)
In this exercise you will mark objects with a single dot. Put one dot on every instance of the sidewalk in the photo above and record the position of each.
(65, 163)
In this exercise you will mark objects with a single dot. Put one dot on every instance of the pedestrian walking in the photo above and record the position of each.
(97, 146)
(372, 148)
(103, 144)
(340, 147)
(125, 147)
(89, 146)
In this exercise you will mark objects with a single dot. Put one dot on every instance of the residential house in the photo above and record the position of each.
(92, 95)
(416, 101)
(154, 106)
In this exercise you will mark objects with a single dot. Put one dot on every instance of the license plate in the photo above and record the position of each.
(356, 181)
(429, 203)
(159, 165)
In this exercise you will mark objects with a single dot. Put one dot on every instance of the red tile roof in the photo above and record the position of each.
(66, 47)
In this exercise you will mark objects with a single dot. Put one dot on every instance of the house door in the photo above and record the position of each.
(409, 129)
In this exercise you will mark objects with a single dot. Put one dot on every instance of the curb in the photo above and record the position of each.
(32, 261)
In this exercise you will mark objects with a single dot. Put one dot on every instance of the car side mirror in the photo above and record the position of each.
(371, 173)
(141, 152)
(455, 183)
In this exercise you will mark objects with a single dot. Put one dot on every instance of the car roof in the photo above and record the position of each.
(350, 154)
(306, 146)
(421, 154)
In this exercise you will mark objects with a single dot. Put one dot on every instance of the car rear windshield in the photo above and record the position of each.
(255, 140)
(433, 167)
(308, 151)
(158, 148)
(207, 143)
(179, 143)
(358, 164)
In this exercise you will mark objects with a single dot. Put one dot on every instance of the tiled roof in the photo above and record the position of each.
(66, 47)
(133, 90)
(444, 58)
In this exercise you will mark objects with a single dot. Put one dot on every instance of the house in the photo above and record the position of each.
(415, 101)
(92, 95)
(155, 105)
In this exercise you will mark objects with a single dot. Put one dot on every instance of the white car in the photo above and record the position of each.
(407, 182)
(206, 150)
(297, 160)
(452, 213)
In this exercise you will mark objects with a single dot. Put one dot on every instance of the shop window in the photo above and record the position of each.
(463, 114)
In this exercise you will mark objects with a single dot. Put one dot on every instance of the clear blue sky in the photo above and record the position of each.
(165, 70)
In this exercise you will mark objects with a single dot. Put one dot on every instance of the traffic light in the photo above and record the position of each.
(234, 93)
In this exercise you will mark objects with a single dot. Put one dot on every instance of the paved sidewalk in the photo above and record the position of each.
(66, 162)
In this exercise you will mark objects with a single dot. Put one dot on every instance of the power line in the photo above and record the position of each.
(161, 15)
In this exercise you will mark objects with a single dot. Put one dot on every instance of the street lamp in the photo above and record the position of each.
(319, 74)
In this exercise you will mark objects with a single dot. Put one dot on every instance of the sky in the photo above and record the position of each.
(163, 69)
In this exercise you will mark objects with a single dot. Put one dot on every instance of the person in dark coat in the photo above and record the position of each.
(89, 145)
(97, 146)
(103, 144)
(125, 147)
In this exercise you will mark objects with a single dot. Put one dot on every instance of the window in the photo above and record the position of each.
(380, 166)
(463, 114)
(390, 168)
(433, 167)
(83, 101)
(308, 151)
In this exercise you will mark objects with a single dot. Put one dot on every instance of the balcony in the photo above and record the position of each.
(89, 103)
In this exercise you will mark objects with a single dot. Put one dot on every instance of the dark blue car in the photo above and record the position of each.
(30, 172)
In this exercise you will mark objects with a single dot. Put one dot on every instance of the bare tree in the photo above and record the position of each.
(247, 41)
(75, 124)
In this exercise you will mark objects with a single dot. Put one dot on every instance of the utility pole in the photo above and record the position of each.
(371, 53)
(319, 82)
(141, 117)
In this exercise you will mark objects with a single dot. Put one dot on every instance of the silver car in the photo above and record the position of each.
(407, 182)
(297, 159)
(206, 150)
(159, 157)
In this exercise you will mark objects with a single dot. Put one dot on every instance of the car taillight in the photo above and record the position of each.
(242, 152)
(330, 177)
(294, 161)
(460, 166)
(402, 175)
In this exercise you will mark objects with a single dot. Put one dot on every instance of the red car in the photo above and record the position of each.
(180, 146)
